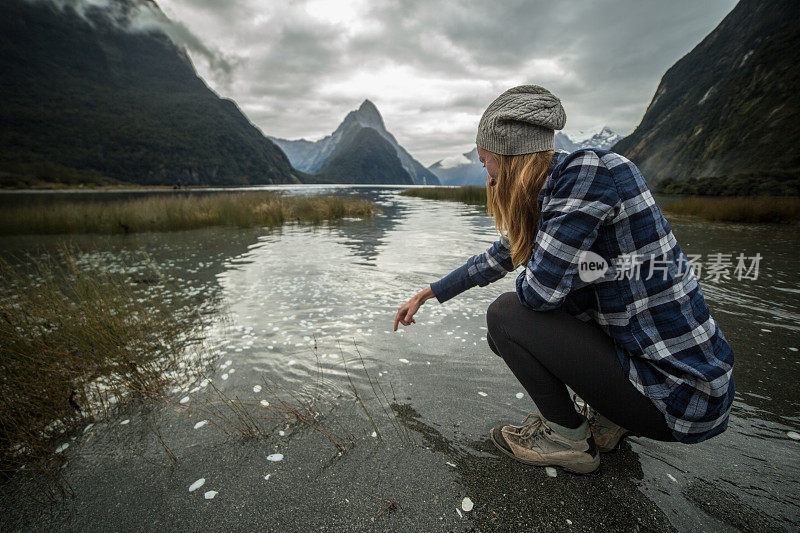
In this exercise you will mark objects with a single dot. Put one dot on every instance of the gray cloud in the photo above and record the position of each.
(145, 16)
(431, 67)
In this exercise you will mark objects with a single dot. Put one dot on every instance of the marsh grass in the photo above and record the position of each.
(177, 211)
(468, 194)
(739, 209)
(76, 340)
(251, 419)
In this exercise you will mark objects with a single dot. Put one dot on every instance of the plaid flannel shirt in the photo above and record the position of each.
(666, 340)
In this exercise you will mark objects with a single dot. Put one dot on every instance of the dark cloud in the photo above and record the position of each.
(297, 67)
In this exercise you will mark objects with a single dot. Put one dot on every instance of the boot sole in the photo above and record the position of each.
(575, 468)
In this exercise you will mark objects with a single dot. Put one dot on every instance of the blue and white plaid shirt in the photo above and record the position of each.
(652, 306)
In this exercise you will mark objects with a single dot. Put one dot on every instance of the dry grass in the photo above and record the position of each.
(739, 209)
(178, 211)
(76, 340)
(468, 194)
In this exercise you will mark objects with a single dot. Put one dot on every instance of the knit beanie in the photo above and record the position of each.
(522, 120)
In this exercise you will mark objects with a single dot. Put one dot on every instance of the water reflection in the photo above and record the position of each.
(340, 284)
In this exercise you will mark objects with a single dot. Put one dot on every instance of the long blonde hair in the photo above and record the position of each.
(512, 202)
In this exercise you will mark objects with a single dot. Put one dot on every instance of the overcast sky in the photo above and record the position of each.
(297, 67)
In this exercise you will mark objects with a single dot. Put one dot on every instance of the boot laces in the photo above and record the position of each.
(531, 428)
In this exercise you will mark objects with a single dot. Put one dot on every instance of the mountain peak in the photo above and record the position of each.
(368, 115)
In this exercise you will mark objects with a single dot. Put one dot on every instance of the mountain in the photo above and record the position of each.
(466, 169)
(602, 138)
(88, 95)
(319, 156)
(731, 105)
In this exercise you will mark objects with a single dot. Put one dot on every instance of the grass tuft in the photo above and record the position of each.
(77, 339)
(173, 212)
(739, 209)
(468, 194)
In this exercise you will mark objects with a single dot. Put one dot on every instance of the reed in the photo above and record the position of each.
(177, 211)
(77, 339)
(739, 209)
(468, 194)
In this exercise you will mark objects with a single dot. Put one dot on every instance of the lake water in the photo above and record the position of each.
(342, 283)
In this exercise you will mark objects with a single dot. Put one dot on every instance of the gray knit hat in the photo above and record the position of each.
(522, 120)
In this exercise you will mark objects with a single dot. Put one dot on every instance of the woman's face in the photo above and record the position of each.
(491, 166)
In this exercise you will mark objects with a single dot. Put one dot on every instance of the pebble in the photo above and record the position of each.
(275, 457)
(200, 424)
(520, 396)
(210, 494)
(404, 361)
(793, 435)
(551, 472)
(482, 393)
(62, 447)
(185, 399)
(466, 504)
(257, 388)
(124, 422)
(197, 484)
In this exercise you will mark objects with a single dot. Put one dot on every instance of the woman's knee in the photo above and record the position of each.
(499, 311)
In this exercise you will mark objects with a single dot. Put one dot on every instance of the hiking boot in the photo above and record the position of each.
(606, 433)
(536, 443)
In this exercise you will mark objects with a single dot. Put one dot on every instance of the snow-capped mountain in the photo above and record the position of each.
(603, 138)
(466, 169)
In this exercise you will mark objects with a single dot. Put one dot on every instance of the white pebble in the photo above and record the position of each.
(448, 463)
(231, 371)
(569, 522)
(520, 396)
(292, 362)
(282, 433)
(124, 422)
(459, 513)
(62, 447)
(257, 388)
(404, 361)
(275, 457)
(185, 399)
(374, 435)
(550, 471)
(87, 428)
(265, 403)
(228, 362)
(672, 478)
(267, 477)
(793, 349)
(210, 494)
(200, 424)
(197, 484)
(466, 504)
(224, 377)
(482, 393)
(793, 435)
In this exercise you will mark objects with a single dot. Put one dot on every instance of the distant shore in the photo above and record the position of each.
(748, 209)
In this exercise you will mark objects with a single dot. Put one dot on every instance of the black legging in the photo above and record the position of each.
(548, 349)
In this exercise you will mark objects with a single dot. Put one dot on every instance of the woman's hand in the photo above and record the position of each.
(405, 315)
